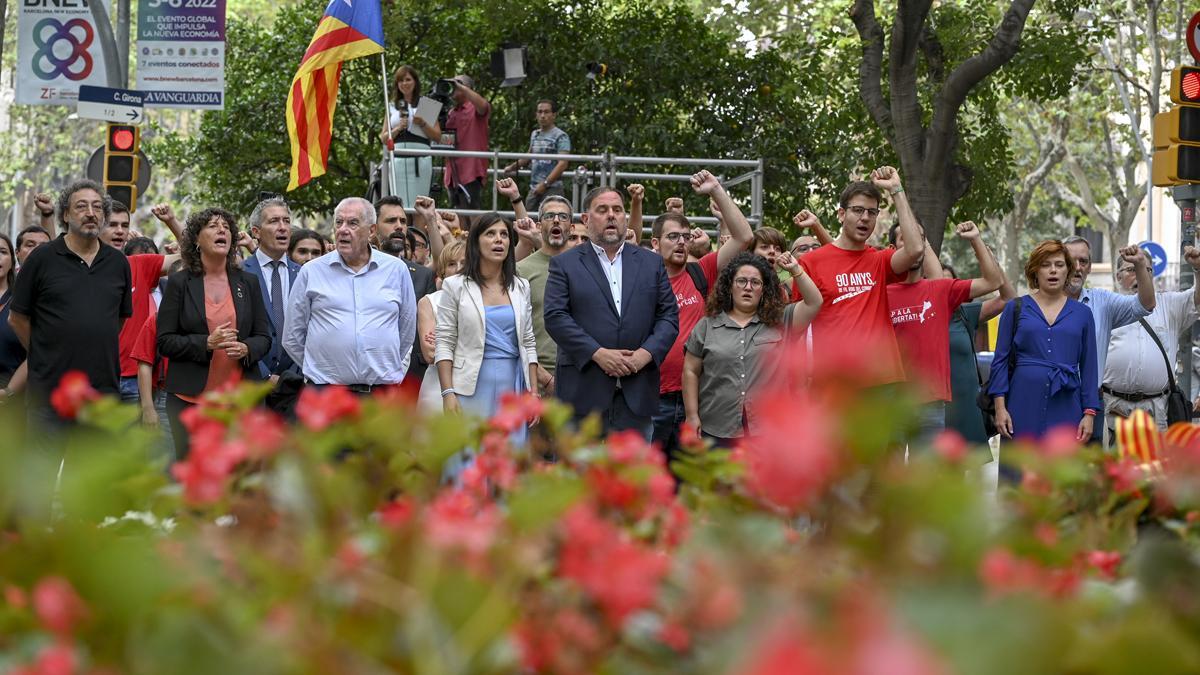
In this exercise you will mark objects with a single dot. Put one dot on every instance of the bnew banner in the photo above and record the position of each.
(58, 49)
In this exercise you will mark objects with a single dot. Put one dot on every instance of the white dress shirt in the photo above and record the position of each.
(347, 327)
(612, 270)
(265, 264)
(1135, 365)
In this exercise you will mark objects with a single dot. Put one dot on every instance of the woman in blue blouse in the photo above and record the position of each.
(1055, 378)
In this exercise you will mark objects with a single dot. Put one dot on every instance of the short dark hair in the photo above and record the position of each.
(769, 236)
(390, 200)
(597, 191)
(300, 234)
(189, 250)
(660, 222)
(118, 206)
(32, 229)
(140, 245)
(473, 265)
(553, 104)
(894, 232)
(860, 187)
(64, 199)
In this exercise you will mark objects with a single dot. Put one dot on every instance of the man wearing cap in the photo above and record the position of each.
(468, 121)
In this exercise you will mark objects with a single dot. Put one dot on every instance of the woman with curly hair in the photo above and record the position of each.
(212, 324)
(728, 353)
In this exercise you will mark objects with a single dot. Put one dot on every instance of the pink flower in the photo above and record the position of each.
(1125, 475)
(320, 407)
(787, 650)
(516, 410)
(263, 430)
(1046, 533)
(792, 457)
(15, 597)
(56, 659)
(951, 446)
(57, 605)
(1060, 442)
(457, 522)
(73, 391)
(397, 513)
(1106, 563)
(675, 636)
(630, 447)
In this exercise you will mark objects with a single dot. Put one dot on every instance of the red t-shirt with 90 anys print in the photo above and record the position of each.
(854, 312)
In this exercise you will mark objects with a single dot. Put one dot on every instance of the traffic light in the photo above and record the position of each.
(1176, 134)
(121, 163)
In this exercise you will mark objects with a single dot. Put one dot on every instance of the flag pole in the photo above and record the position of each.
(387, 123)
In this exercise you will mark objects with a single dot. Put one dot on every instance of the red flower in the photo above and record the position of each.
(73, 391)
(1002, 572)
(263, 430)
(516, 410)
(1060, 442)
(207, 467)
(320, 407)
(457, 522)
(630, 447)
(792, 457)
(787, 650)
(1125, 475)
(56, 659)
(951, 446)
(1105, 562)
(15, 597)
(1046, 533)
(612, 490)
(689, 438)
(397, 513)
(675, 636)
(57, 605)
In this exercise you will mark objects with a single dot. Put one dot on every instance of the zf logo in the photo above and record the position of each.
(60, 47)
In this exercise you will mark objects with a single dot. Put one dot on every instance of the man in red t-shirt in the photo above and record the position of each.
(146, 270)
(921, 310)
(468, 120)
(671, 236)
(853, 278)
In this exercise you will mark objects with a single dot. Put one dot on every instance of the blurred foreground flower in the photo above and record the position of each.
(319, 407)
(73, 391)
(792, 456)
(57, 605)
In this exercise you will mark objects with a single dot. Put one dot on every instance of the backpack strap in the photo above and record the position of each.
(696, 272)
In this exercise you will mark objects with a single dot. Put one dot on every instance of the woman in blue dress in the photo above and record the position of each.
(1055, 381)
(485, 342)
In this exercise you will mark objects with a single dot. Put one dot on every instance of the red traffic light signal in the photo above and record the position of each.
(122, 138)
(1185, 85)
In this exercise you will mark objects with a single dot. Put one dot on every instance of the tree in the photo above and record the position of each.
(940, 90)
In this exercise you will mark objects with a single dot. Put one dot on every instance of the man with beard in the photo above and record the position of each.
(554, 221)
(271, 227)
(69, 303)
(393, 228)
(672, 235)
(610, 309)
(1110, 310)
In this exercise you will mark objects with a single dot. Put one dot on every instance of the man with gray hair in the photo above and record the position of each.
(70, 301)
(1110, 310)
(352, 313)
(554, 220)
(271, 227)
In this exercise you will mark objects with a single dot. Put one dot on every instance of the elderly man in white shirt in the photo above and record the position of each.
(352, 313)
(1136, 375)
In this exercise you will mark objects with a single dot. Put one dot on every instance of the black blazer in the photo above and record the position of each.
(423, 284)
(183, 329)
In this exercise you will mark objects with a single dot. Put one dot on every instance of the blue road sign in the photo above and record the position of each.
(1158, 256)
(110, 105)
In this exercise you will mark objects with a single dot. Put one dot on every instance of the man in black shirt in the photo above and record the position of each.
(70, 301)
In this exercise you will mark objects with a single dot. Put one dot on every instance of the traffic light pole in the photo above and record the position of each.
(1185, 197)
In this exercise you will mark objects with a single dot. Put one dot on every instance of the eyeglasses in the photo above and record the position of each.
(676, 236)
(805, 248)
(859, 210)
(561, 217)
(744, 282)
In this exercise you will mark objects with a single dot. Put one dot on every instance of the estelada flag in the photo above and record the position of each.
(349, 29)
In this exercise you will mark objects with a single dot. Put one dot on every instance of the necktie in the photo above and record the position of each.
(277, 296)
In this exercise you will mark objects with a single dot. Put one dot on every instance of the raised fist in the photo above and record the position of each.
(704, 183)
(886, 178)
(527, 229)
(674, 205)
(507, 188)
(163, 212)
(44, 203)
(805, 220)
(967, 230)
(425, 208)
(1192, 255)
(636, 191)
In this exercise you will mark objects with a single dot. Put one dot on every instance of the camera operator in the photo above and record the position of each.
(546, 177)
(468, 120)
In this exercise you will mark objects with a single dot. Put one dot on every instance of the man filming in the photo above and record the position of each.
(468, 121)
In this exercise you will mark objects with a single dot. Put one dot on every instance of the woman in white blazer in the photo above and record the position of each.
(485, 343)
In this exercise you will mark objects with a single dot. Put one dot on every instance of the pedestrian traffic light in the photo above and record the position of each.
(1176, 132)
(121, 163)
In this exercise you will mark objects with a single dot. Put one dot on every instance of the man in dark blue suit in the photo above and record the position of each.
(611, 311)
(271, 225)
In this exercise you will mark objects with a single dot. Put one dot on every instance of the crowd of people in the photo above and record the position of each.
(647, 335)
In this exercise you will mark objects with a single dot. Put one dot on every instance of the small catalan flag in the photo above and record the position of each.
(349, 29)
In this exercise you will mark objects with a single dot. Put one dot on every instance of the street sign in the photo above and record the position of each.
(1193, 37)
(1158, 256)
(110, 105)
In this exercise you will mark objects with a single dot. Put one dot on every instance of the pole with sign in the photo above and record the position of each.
(110, 105)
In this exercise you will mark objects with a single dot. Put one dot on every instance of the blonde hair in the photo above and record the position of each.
(449, 253)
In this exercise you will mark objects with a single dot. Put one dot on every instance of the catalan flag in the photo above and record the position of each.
(349, 29)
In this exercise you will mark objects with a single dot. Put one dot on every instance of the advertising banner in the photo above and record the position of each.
(181, 53)
(58, 49)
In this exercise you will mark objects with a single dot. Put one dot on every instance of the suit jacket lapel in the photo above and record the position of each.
(195, 293)
(629, 270)
(593, 267)
(251, 265)
(477, 298)
(241, 304)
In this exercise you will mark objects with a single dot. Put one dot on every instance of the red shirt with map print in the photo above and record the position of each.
(921, 314)
(854, 311)
(145, 270)
(691, 310)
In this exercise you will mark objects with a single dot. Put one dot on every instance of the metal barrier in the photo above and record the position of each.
(608, 173)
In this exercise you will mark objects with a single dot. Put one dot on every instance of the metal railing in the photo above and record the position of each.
(607, 171)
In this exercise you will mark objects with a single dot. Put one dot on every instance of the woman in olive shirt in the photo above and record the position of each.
(728, 353)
